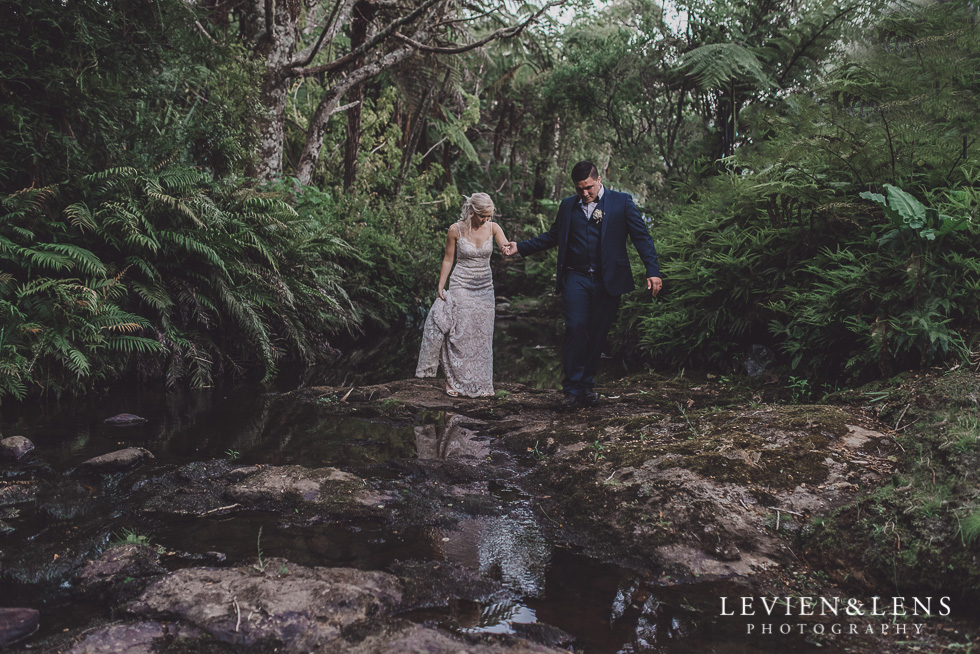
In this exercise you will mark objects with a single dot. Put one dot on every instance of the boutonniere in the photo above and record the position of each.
(597, 216)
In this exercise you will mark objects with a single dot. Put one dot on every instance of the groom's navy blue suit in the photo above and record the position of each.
(593, 272)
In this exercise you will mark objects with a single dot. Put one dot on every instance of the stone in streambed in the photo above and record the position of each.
(15, 448)
(293, 608)
(276, 485)
(116, 461)
(302, 608)
(17, 624)
(125, 420)
(136, 638)
(16, 493)
(121, 571)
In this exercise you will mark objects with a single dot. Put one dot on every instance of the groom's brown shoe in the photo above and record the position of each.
(589, 398)
(568, 401)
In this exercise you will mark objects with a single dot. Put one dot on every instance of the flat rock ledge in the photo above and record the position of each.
(133, 638)
(289, 607)
(276, 485)
(120, 571)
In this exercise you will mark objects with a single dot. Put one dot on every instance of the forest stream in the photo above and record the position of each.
(389, 517)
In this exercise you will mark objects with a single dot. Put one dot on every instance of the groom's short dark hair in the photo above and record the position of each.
(584, 170)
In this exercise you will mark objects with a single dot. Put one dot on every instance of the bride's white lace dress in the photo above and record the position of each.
(458, 331)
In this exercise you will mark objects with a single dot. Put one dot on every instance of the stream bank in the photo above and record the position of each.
(433, 523)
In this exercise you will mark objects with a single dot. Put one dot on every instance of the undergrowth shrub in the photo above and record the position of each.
(845, 235)
(163, 273)
(833, 299)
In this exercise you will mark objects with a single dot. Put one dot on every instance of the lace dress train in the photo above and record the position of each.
(458, 332)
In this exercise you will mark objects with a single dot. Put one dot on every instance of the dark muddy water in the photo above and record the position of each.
(605, 607)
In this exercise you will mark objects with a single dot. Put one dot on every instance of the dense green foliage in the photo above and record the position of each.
(920, 530)
(790, 250)
(163, 273)
(91, 85)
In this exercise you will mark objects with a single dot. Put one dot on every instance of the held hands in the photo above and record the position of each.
(509, 249)
(654, 284)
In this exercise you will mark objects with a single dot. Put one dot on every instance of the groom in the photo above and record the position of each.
(593, 272)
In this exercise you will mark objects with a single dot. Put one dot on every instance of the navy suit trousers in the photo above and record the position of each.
(589, 312)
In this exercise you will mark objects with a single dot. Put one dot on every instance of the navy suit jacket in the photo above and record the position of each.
(620, 218)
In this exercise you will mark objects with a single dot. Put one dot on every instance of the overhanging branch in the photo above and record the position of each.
(304, 58)
(503, 33)
(383, 34)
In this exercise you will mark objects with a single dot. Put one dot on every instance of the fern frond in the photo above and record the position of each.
(716, 64)
(82, 259)
(134, 344)
(79, 215)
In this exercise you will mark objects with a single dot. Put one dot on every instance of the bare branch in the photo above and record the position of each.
(331, 27)
(503, 33)
(488, 12)
(438, 143)
(368, 45)
(345, 107)
(328, 106)
(204, 31)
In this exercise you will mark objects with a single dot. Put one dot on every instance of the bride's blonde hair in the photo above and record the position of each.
(476, 203)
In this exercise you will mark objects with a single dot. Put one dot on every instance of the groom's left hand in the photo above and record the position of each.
(654, 284)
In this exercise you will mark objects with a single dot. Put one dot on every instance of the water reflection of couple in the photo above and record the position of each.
(590, 231)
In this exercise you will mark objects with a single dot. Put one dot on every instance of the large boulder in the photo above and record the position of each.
(291, 608)
(302, 608)
(15, 448)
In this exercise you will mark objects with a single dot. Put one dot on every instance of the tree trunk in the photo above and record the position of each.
(546, 153)
(363, 14)
(418, 126)
(273, 29)
(447, 164)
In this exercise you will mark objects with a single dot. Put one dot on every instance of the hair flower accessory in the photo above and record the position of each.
(597, 216)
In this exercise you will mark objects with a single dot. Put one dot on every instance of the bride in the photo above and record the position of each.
(458, 331)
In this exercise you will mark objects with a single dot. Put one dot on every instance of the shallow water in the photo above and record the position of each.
(605, 607)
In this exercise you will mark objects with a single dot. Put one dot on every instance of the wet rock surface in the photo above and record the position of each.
(14, 448)
(120, 572)
(279, 485)
(135, 638)
(16, 491)
(394, 518)
(301, 608)
(295, 609)
(115, 461)
(665, 472)
(125, 420)
(16, 624)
